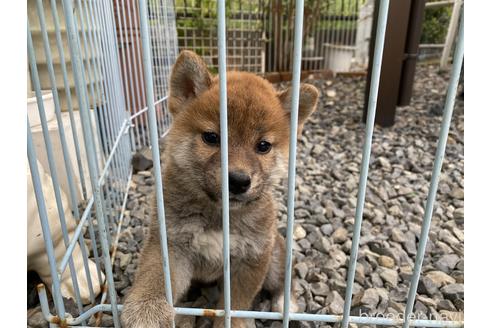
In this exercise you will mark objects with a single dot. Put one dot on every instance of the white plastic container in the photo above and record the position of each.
(32, 108)
(39, 143)
(37, 258)
(363, 37)
(338, 57)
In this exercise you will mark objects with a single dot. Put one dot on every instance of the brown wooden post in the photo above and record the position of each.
(393, 57)
(415, 25)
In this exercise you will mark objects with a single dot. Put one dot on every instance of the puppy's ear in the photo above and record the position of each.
(189, 78)
(308, 99)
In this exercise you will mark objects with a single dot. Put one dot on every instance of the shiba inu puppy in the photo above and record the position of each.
(258, 131)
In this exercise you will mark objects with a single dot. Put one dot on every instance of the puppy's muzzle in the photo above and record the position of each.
(239, 182)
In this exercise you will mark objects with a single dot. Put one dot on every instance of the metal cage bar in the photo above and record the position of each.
(366, 155)
(149, 92)
(224, 163)
(294, 113)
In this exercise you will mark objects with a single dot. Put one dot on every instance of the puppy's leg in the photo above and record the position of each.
(145, 305)
(274, 281)
(246, 282)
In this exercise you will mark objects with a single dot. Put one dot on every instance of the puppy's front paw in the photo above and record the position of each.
(235, 323)
(278, 304)
(150, 313)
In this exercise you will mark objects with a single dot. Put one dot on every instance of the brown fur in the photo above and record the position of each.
(192, 192)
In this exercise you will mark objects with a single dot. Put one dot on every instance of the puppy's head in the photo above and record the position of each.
(258, 130)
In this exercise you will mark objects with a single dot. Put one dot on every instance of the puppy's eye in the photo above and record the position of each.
(263, 147)
(211, 138)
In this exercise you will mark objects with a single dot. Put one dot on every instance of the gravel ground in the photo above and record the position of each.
(329, 156)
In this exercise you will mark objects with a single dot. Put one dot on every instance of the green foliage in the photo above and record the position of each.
(435, 27)
(199, 9)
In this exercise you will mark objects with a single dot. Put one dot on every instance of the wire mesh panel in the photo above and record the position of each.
(197, 30)
(164, 50)
(87, 114)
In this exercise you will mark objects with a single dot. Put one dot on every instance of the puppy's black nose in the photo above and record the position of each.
(239, 182)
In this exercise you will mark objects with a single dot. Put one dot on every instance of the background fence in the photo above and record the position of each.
(110, 100)
(439, 29)
(260, 33)
(336, 33)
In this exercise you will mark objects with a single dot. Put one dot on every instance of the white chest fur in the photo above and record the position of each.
(209, 244)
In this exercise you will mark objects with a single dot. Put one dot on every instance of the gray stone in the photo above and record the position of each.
(459, 234)
(359, 273)
(395, 210)
(386, 261)
(138, 233)
(427, 286)
(340, 235)
(339, 257)
(142, 160)
(398, 306)
(335, 302)
(383, 298)
(427, 301)
(447, 305)
(440, 278)
(447, 262)
(459, 214)
(458, 193)
(338, 285)
(301, 304)
(460, 304)
(376, 280)
(125, 259)
(406, 272)
(384, 162)
(304, 244)
(447, 237)
(331, 93)
(453, 291)
(370, 298)
(320, 289)
(35, 318)
(313, 306)
(398, 235)
(420, 310)
(299, 232)
(301, 269)
(410, 244)
(327, 229)
(322, 244)
(389, 276)
(276, 324)
(318, 149)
